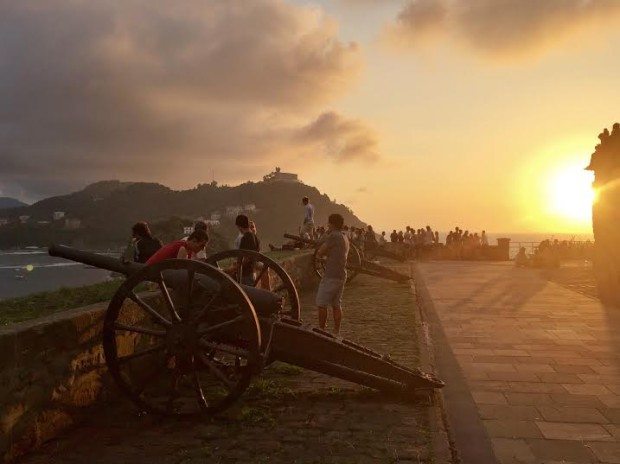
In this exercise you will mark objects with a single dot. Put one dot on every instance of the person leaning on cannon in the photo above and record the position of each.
(335, 248)
(182, 249)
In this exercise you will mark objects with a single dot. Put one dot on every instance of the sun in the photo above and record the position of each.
(571, 194)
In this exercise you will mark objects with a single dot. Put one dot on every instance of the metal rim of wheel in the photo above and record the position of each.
(354, 262)
(284, 288)
(185, 351)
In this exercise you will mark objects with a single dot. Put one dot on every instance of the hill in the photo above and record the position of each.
(8, 202)
(102, 214)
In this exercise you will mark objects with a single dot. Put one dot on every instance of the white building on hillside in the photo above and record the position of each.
(251, 207)
(232, 211)
(58, 215)
(279, 176)
(24, 219)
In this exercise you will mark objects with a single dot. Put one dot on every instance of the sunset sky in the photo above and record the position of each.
(478, 113)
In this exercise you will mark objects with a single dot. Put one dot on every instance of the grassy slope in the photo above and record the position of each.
(45, 303)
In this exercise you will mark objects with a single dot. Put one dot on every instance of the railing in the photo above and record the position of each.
(568, 249)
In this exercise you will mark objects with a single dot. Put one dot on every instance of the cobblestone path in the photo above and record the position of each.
(288, 415)
(541, 361)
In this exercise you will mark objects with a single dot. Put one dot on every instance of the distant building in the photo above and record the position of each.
(3, 222)
(187, 230)
(72, 223)
(216, 216)
(279, 176)
(232, 211)
(43, 222)
(24, 219)
(58, 215)
(213, 222)
(249, 207)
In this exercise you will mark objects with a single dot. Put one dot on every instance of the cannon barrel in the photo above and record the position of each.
(94, 259)
(298, 238)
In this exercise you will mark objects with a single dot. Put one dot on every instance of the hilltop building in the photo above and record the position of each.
(216, 216)
(58, 215)
(3, 221)
(251, 207)
(24, 219)
(279, 176)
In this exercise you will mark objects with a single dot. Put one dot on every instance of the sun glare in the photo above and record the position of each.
(571, 194)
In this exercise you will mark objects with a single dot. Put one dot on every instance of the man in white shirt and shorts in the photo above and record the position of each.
(335, 248)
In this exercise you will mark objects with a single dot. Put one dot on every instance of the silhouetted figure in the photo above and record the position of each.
(605, 162)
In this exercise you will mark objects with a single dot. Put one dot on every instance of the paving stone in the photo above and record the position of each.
(511, 451)
(560, 451)
(528, 398)
(573, 431)
(486, 397)
(535, 387)
(572, 414)
(606, 452)
(586, 389)
(498, 411)
(506, 428)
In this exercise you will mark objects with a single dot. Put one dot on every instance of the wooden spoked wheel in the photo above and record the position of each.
(189, 346)
(265, 273)
(354, 263)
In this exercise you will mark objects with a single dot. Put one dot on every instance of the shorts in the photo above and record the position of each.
(329, 292)
(308, 228)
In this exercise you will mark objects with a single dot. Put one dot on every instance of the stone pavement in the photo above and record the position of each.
(540, 362)
(288, 415)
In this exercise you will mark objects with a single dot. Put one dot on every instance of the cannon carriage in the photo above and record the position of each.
(357, 262)
(183, 337)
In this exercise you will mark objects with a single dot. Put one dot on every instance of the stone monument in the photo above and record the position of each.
(605, 163)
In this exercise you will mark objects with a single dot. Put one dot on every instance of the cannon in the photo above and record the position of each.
(183, 337)
(356, 263)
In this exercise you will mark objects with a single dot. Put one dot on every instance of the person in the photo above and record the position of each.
(308, 224)
(143, 245)
(181, 249)
(202, 254)
(335, 248)
(394, 236)
(484, 240)
(249, 241)
(521, 260)
(382, 239)
(265, 280)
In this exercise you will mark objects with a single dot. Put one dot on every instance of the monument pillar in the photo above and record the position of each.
(605, 163)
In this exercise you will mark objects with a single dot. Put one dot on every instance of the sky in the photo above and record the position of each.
(480, 113)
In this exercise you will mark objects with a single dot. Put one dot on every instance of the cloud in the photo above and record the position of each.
(341, 139)
(501, 28)
(159, 90)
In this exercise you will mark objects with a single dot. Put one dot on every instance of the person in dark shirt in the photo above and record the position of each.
(249, 241)
(143, 243)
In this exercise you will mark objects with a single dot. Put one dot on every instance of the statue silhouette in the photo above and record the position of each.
(605, 163)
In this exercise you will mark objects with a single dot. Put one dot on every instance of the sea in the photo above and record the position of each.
(32, 270)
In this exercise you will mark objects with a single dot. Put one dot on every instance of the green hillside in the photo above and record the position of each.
(106, 210)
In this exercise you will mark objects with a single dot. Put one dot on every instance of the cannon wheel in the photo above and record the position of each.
(282, 285)
(354, 262)
(185, 351)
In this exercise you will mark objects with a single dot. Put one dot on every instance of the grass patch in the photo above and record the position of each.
(45, 303)
(266, 389)
(285, 370)
(256, 415)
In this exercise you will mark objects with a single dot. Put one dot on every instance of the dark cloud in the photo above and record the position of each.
(340, 138)
(139, 89)
(501, 28)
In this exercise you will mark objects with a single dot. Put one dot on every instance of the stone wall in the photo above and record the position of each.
(52, 369)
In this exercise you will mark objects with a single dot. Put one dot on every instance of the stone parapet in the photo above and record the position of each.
(52, 369)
